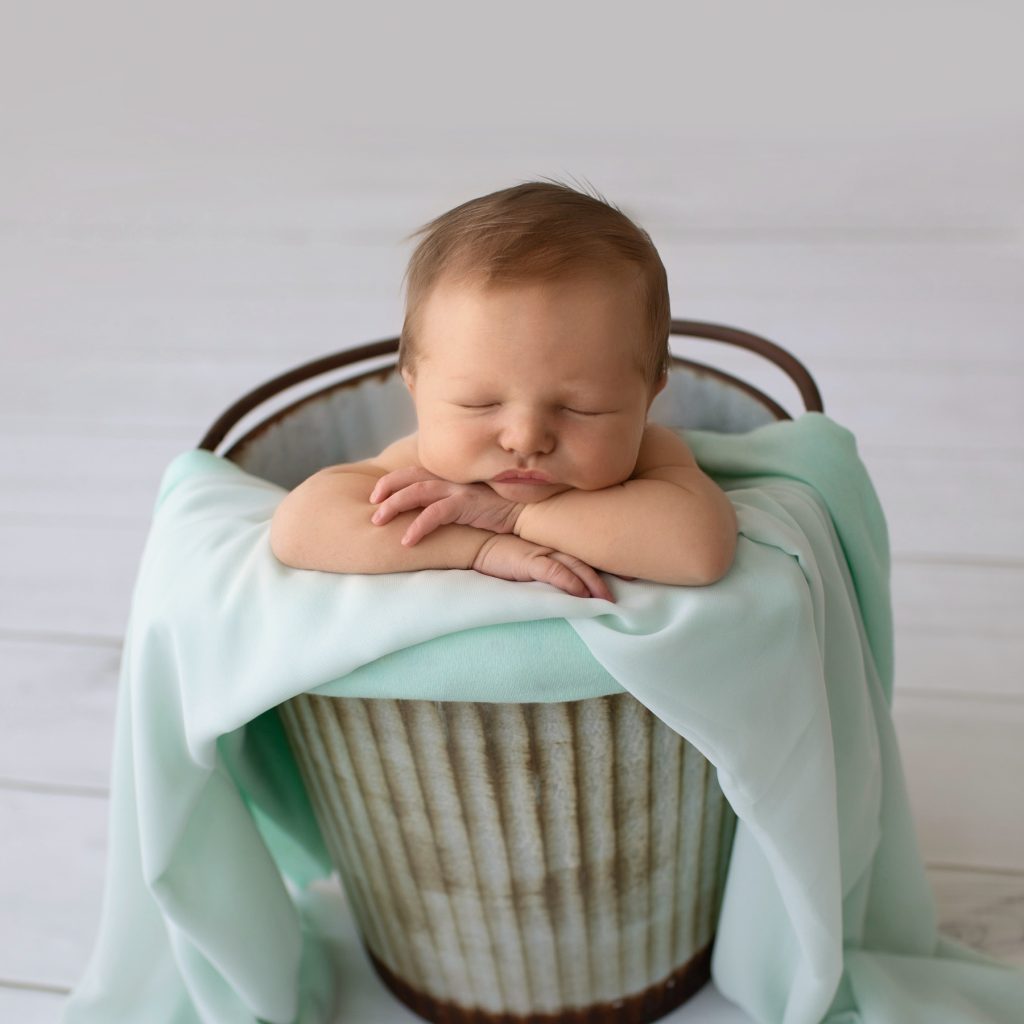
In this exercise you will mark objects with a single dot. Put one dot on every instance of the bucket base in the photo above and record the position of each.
(642, 1008)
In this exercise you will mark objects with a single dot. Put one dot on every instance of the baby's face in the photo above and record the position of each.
(536, 377)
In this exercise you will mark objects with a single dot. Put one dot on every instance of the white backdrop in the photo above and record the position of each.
(195, 197)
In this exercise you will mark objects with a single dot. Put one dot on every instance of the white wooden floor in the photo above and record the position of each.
(141, 293)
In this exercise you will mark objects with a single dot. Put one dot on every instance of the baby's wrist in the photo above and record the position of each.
(481, 551)
(520, 513)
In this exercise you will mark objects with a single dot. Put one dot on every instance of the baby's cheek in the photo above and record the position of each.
(443, 458)
(614, 467)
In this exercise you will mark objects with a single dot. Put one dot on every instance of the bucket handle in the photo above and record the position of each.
(774, 353)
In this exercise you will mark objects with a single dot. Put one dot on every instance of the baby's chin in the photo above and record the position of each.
(526, 493)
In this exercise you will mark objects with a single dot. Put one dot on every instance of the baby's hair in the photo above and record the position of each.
(537, 231)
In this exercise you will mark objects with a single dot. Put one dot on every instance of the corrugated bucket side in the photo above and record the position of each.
(562, 862)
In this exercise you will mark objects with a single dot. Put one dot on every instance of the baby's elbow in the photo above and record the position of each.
(282, 537)
(721, 558)
(718, 571)
(278, 543)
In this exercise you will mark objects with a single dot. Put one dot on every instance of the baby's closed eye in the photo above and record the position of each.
(564, 408)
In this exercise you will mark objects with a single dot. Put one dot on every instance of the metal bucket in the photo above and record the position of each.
(543, 862)
(560, 861)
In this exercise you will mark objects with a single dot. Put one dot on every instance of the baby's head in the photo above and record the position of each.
(535, 339)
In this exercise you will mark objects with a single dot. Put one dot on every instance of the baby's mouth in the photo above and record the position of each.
(526, 477)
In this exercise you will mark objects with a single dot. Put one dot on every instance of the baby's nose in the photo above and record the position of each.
(526, 435)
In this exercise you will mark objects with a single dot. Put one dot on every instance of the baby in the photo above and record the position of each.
(535, 340)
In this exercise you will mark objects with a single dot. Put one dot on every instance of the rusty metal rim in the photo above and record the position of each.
(644, 1007)
(787, 362)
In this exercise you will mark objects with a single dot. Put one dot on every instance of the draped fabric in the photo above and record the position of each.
(781, 674)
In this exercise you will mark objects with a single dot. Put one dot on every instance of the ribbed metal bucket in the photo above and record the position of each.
(559, 862)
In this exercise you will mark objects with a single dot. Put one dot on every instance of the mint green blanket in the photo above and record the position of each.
(781, 674)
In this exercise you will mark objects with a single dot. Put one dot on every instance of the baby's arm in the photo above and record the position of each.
(324, 524)
(669, 522)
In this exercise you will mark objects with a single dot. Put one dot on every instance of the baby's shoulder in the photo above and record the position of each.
(403, 452)
(662, 446)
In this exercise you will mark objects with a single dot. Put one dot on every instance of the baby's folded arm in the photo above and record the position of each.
(713, 521)
(649, 528)
(669, 523)
(324, 524)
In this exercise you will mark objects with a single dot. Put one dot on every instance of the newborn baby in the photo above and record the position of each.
(535, 341)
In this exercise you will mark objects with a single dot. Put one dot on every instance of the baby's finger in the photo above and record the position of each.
(591, 578)
(594, 580)
(563, 578)
(416, 495)
(394, 481)
(550, 569)
(433, 516)
(388, 484)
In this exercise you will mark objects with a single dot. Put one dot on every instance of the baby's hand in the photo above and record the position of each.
(442, 502)
(512, 558)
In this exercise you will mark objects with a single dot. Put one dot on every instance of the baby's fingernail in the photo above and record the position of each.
(375, 518)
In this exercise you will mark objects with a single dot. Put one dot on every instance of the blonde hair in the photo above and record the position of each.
(537, 231)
